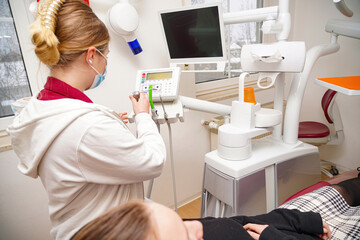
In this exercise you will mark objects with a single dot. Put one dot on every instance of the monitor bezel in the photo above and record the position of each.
(197, 60)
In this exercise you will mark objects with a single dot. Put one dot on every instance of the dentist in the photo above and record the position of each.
(84, 154)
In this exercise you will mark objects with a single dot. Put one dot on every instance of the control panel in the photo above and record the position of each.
(164, 82)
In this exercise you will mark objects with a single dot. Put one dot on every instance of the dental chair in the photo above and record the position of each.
(318, 134)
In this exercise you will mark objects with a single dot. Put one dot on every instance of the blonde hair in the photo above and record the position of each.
(64, 29)
(130, 220)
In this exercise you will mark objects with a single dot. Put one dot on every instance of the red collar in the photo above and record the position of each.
(57, 89)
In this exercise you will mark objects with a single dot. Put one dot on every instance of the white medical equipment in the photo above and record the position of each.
(165, 88)
(248, 120)
(225, 175)
(271, 59)
(123, 19)
(344, 28)
(242, 169)
(162, 86)
(336, 28)
(164, 82)
(341, 6)
(274, 57)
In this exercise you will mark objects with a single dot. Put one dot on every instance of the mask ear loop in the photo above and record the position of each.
(101, 54)
(90, 61)
(95, 69)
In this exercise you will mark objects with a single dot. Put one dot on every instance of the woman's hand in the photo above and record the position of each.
(124, 117)
(142, 105)
(255, 230)
(326, 230)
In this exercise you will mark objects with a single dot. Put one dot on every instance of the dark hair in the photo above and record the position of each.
(349, 190)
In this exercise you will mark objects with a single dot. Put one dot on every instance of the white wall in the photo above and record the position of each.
(309, 20)
(23, 203)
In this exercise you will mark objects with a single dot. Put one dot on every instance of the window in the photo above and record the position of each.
(14, 83)
(236, 35)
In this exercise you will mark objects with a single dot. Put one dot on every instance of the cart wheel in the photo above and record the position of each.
(334, 171)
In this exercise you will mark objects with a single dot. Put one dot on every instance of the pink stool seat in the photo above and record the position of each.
(310, 129)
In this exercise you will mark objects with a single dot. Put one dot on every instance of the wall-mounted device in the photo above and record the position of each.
(164, 86)
(343, 27)
(164, 81)
(194, 34)
(123, 19)
(341, 6)
(274, 57)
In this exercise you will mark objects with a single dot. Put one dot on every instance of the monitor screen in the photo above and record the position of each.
(194, 34)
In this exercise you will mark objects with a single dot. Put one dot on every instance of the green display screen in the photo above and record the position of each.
(158, 75)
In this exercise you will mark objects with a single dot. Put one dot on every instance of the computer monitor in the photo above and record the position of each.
(194, 34)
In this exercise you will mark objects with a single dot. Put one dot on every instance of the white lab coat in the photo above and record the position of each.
(87, 159)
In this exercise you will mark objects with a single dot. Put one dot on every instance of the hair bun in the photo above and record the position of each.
(64, 30)
(45, 43)
(42, 31)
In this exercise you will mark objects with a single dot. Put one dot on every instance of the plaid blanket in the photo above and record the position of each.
(343, 220)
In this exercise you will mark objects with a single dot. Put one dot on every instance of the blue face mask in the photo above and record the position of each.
(99, 78)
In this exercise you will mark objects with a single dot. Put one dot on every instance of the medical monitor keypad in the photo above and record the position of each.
(164, 83)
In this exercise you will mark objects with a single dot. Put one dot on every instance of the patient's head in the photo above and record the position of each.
(349, 190)
(138, 220)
